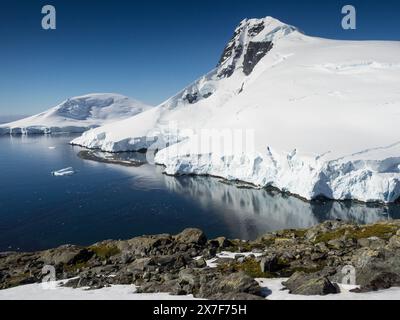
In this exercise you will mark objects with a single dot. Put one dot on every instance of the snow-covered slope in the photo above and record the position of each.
(310, 116)
(273, 287)
(77, 115)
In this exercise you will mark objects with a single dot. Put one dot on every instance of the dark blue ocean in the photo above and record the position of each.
(109, 201)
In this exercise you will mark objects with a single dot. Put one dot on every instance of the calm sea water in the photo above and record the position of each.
(108, 201)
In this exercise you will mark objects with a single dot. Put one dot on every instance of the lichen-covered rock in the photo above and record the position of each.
(301, 283)
(141, 264)
(394, 242)
(379, 281)
(144, 245)
(192, 236)
(66, 255)
(234, 283)
(312, 258)
(372, 243)
(377, 269)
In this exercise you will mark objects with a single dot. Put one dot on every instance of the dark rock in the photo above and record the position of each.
(337, 244)
(269, 264)
(223, 242)
(233, 51)
(88, 281)
(235, 297)
(394, 242)
(301, 283)
(377, 269)
(372, 243)
(200, 263)
(256, 29)
(255, 52)
(191, 97)
(209, 253)
(66, 255)
(141, 264)
(164, 261)
(189, 276)
(230, 48)
(380, 281)
(234, 283)
(227, 72)
(317, 256)
(124, 278)
(192, 236)
(170, 286)
(144, 245)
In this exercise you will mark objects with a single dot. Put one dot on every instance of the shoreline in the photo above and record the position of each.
(88, 154)
(223, 269)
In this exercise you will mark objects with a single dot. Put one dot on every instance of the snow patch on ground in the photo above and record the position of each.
(212, 263)
(274, 290)
(120, 292)
(357, 67)
(271, 287)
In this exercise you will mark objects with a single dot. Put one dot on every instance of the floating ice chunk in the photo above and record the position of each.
(52, 148)
(64, 172)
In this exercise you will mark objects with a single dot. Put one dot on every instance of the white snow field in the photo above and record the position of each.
(309, 116)
(77, 115)
(272, 288)
(39, 291)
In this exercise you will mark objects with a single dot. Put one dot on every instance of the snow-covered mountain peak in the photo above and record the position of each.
(251, 41)
(96, 106)
(78, 114)
(265, 29)
(323, 116)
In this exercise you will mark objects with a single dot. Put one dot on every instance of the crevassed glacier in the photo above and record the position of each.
(349, 177)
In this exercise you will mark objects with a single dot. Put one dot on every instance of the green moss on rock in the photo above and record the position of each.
(105, 251)
(250, 266)
(379, 230)
(241, 246)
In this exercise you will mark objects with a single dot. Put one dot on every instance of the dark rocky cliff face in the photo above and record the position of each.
(255, 30)
(230, 47)
(230, 50)
(255, 52)
(251, 42)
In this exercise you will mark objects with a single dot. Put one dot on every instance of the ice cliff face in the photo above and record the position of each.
(319, 117)
(78, 114)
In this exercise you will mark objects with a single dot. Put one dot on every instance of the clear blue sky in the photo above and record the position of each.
(150, 49)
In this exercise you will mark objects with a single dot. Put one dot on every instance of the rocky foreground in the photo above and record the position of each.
(314, 260)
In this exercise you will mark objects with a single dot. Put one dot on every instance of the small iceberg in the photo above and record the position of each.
(64, 172)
